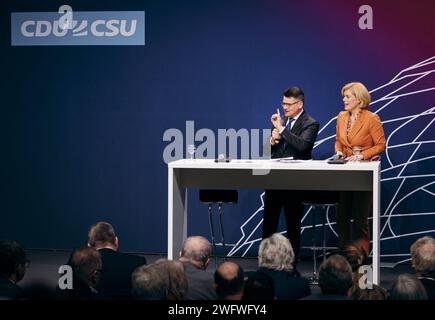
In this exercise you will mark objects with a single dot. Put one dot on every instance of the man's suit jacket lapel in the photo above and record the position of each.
(296, 128)
(298, 124)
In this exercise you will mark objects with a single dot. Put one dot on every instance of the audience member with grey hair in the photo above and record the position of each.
(177, 281)
(423, 262)
(407, 287)
(161, 280)
(276, 253)
(196, 250)
(148, 282)
(276, 257)
(335, 279)
(195, 256)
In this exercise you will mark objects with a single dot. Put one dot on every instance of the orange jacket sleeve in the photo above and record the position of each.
(378, 137)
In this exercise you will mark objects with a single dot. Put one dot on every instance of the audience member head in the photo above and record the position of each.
(423, 256)
(335, 275)
(276, 253)
(86, 265)
(407, 287)
(376, 293)
(197, 251)
(12, 260)
(177, 281)
(102, 235)
(150, 283)
(229, 279)
(259, 286)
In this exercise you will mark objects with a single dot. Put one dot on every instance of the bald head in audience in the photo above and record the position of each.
(229, 281)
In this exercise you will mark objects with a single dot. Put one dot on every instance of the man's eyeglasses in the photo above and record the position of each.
(283, 104)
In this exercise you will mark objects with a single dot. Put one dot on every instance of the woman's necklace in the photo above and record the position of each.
(355, 116)
(352, 120)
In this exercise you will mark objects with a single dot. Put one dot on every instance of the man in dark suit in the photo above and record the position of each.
(12, 269)
(118, 267)
(292, 136)
(195, 256)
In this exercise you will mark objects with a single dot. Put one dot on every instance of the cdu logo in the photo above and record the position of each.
(69, 28)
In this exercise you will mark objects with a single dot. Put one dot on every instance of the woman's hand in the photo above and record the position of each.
(338, 155)
(358, 157)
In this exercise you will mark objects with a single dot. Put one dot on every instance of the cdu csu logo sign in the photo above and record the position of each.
(68, 28)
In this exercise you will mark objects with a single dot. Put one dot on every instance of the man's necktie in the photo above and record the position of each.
(290, 122)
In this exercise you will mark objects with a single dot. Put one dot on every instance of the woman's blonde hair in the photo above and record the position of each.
(360, 92)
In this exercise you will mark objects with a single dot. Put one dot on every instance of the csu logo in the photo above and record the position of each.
(66, 27)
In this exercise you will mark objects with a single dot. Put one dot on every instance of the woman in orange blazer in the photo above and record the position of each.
(357, 128)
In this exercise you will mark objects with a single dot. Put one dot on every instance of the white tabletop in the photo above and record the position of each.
(275, 164)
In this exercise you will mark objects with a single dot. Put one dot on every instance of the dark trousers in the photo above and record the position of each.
(354, 205)
(290, 201)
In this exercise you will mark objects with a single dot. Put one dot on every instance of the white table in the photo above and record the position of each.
(267, 174)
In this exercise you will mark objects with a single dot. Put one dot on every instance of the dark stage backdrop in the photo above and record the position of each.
(82, 127)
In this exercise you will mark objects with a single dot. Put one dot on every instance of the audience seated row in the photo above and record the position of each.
(100, 271)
